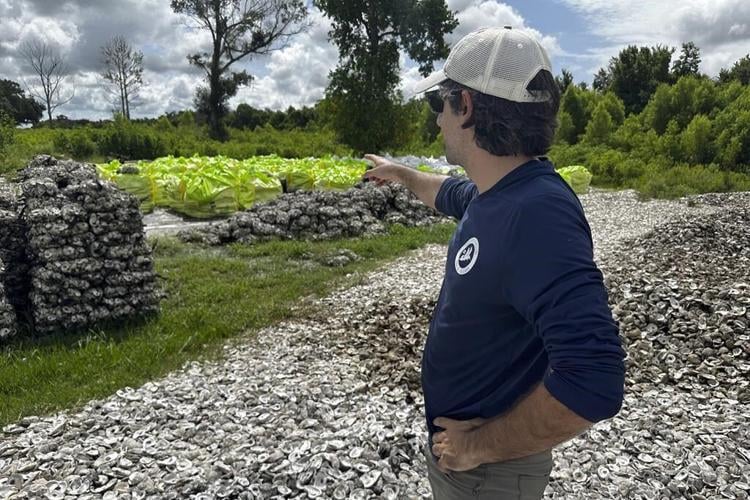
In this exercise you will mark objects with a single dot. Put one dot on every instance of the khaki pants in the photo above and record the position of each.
(519, 479)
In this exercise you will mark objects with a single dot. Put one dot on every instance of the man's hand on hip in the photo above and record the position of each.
(455, 445)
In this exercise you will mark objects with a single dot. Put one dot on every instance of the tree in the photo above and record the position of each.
(600, 127)
(739, 72)
(124, 69)
(564, 80)
(688, 62)
(658, 113)
(697, 140)
(688, 97)
(15, 104)
(7, 133)
(732, 128)
(566, 130)
(238, 28)
(429, 129)
(614, 107)
(636, 73)
(574, 105)
(362, 93)
(602, 80)
(51, 69)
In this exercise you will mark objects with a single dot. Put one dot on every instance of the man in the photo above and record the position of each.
(522, 353)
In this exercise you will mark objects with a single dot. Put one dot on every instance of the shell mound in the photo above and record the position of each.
(80, 243)
(320, 215)
(682, 297)
(13, 266)
(7, 314)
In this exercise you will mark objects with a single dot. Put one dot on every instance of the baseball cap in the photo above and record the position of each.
(495, 61)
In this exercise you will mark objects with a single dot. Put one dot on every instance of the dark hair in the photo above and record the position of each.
(507, 128)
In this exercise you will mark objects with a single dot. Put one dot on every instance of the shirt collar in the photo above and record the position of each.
(524, 171)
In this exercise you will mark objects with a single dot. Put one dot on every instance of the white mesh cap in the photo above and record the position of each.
(494, 61)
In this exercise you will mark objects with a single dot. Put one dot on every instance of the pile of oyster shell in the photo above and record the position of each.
(7, 314)
(330, 405)
(319, 215)
(76, 247)
(681, 296)
(13, 268)
(685, 312)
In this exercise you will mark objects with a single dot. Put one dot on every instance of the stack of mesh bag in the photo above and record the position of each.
(7, 315)
(319, 215)
(13, 278)
(87, 255)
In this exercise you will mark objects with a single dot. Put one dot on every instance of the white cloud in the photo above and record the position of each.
(476, 14)
(473, 15)
(296, 75)
(718, 27)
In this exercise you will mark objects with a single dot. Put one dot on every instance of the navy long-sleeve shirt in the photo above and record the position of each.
(522, 302)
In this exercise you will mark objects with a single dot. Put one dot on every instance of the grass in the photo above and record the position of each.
(214, 294)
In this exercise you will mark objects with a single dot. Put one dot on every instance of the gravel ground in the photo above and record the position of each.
(299, 412)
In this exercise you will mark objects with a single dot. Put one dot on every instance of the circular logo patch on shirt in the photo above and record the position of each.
(467, 256)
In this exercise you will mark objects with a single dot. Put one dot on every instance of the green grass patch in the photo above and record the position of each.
(214, 294)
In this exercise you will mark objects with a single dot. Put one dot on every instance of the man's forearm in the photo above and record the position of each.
(537, 423)
(425, 186)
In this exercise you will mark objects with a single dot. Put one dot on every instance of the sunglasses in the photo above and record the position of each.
(437, 101)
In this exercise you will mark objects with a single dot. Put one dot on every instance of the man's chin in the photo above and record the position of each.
(449, 156)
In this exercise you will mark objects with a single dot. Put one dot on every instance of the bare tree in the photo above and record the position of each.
(238, 28)
(51, 69)
(124, 70)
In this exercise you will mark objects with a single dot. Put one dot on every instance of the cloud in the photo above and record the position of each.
(78, 29)
(720, 28)
(475, 14)
(298, 74)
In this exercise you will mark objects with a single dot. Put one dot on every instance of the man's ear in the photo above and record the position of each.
(467, 109)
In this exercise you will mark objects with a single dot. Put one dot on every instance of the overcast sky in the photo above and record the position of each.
(580, 35)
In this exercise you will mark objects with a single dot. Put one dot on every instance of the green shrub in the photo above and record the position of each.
(600, 127)
(7, 136)
(682, 180)
(563, 155)
(78, 143)
(127, 140)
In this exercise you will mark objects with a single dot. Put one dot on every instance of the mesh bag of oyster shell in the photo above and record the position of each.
(7, 314)
(12, 248)
(682, 296)
(318, 215)
(89, 260)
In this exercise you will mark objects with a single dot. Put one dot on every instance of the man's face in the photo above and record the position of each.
(450, 125)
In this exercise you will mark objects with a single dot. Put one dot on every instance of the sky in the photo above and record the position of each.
(579, 35)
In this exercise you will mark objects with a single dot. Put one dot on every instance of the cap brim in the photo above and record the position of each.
(434, 79)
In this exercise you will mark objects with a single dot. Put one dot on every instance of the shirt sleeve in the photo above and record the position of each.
(454, 196)
(549, 276)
